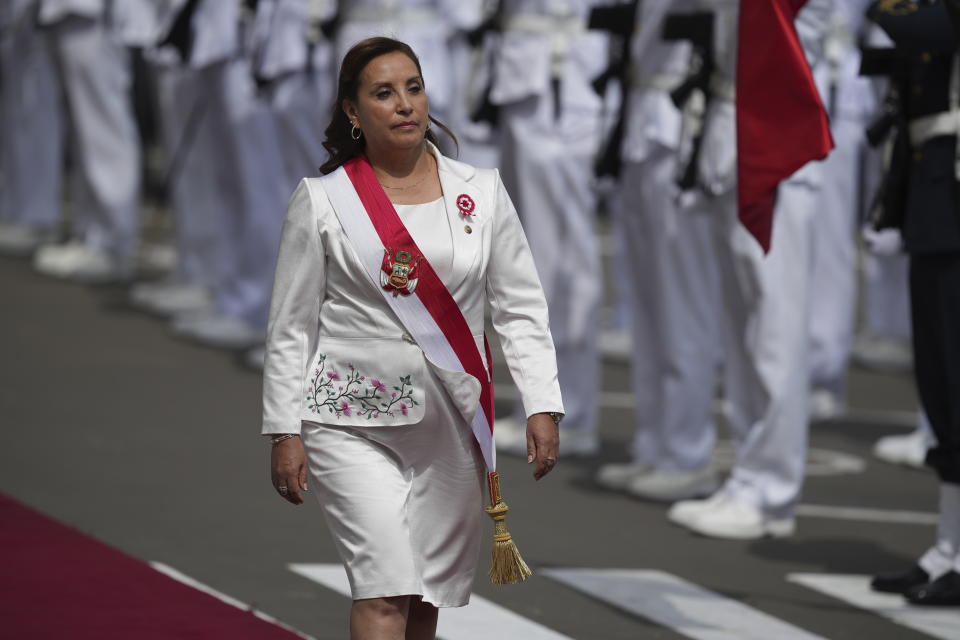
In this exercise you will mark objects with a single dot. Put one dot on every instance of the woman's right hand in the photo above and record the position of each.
(288, 469)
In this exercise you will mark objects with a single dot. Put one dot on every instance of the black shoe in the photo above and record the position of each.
(942, 592)
(900, 582)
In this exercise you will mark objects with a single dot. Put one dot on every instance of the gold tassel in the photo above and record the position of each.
(506, 565)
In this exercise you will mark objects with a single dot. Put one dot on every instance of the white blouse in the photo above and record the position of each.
(429, 226)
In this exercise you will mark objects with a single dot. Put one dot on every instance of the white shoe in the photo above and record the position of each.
(510, 438)
(686, 511)
(157, 257)
(616, 477)
(670, 485)
(826, 405)
(21, 240)
(255, 357)
(78, 262)
(724, 516)
(578, 444)
(615, 345)
(217, 330)
(170, 298)
(909, 450)
(886, 355)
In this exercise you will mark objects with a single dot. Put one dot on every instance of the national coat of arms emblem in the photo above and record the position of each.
(398, 275)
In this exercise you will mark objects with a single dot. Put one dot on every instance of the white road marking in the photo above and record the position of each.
(943, 623)
(480, 620)
(678, 605)
(219, 595)
(867, 515)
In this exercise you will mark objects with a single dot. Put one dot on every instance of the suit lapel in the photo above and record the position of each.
(466, 209)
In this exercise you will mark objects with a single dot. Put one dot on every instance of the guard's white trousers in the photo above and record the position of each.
(672, 289)
(275, 139)
(192, 132)
(96, 78)
(547, 168)
(31, 128)
(834, 277)
(297, 102)
(477, 141)
(886, 297)
(766, 375)
(257, 187)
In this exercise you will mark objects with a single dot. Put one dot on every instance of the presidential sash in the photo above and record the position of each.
(411, 287)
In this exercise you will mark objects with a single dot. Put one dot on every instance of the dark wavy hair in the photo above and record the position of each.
(339, 144)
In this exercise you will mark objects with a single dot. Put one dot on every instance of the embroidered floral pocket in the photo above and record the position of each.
(360, 382)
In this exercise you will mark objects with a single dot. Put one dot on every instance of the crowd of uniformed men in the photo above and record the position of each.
(606, 114)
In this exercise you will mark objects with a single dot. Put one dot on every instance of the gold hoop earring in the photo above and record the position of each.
(355, 132)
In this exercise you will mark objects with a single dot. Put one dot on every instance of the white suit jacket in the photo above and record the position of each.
(337, 354)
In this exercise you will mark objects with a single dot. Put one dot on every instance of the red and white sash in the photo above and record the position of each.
(428, 311)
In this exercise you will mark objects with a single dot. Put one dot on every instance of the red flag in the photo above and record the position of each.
(781, 121)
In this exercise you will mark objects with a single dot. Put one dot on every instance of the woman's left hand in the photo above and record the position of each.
(543, 443)
(288, 469)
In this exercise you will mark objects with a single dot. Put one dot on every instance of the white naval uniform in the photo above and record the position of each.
(547, 155)
(668, 263)
(834, 276)
(96, 77)
(251, 175)
(765, 297)
(401, 488)
(301, 80)
(31, 121)
(193, 131)
(470, 74)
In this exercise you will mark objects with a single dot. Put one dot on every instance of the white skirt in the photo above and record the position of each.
(403, 503)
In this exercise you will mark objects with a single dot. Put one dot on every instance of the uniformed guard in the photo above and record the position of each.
(90, 46)
(921, 197)
(251, 175)
(851, 103)
(31, 131)
(668, 265)
(766, 304)
(550, 119)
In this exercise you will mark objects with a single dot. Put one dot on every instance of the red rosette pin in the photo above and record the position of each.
(466, 205)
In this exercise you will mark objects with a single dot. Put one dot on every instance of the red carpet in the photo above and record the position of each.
(58, 583)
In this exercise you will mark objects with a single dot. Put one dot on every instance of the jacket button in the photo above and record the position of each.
(468, 228)
(407, 338)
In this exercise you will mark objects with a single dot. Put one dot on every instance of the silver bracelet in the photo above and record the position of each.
(275, 440)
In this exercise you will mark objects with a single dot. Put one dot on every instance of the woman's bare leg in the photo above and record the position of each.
(421, 620)
(379, 618)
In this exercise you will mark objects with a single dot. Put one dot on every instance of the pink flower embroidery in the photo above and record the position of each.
(379, 386)
(345, 408)
(333, 375)
(403, 408)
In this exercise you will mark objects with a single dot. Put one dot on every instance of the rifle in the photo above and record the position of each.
(889, 203)
(697, 28)
(620, 21)
(485, 110)
(180, 36)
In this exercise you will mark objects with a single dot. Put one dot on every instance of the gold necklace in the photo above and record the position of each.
(409, 186)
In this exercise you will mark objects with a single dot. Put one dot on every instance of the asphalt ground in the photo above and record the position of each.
(151, 445)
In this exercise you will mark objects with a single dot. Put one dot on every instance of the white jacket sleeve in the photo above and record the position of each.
(298, 290)
(519, 311)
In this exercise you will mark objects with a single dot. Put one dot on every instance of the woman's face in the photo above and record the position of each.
(391, 107)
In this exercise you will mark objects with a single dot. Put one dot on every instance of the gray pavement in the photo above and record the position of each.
(150, 445)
